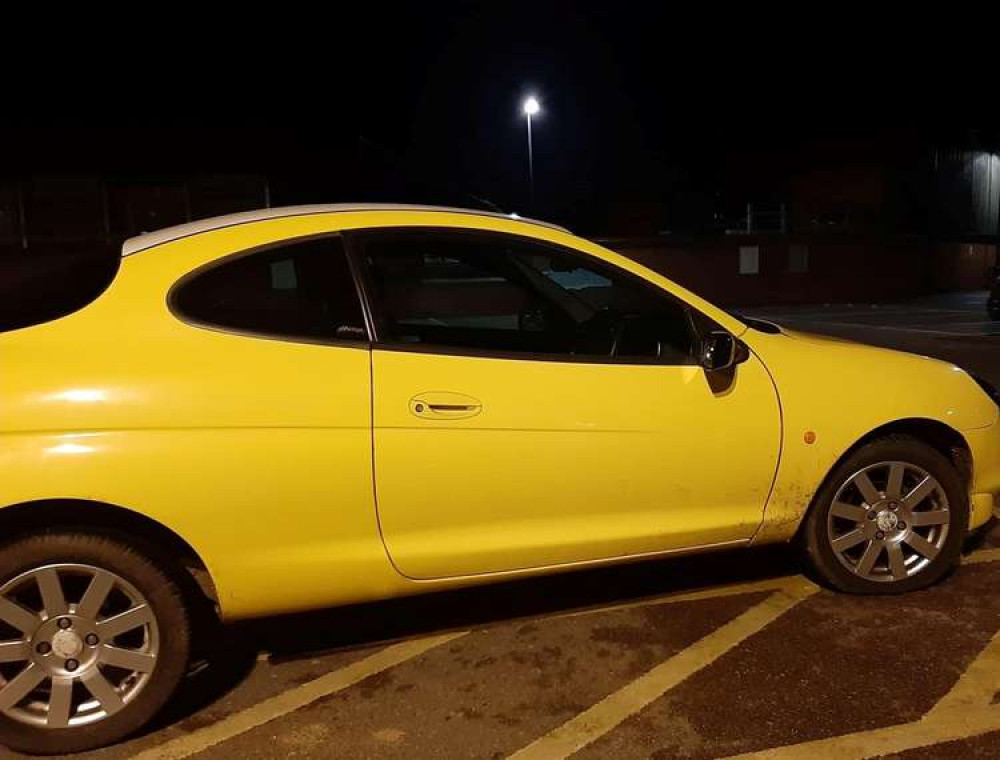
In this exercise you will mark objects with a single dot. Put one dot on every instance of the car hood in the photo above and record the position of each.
(869, 381)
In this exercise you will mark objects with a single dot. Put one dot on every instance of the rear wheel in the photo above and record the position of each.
(94, 638)
(890, 518)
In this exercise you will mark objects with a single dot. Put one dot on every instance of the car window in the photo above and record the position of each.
(498, 293)
(298, 290)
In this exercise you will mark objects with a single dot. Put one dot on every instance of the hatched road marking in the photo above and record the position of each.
(982, 555)
(976, 687)
(747, 587)
(959, 715)
(290, 701)
(716, 592)
(964, 712)
(607, 714)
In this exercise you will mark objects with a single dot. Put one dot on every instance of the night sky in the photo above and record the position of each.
(419, 102)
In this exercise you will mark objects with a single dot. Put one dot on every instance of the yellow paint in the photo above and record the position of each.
(978, 557)
(847, 390)
(593, 723)
(259, 452)
(886, 742)
(557, 466)
(294, 699)
(981, 556)
(964, 712)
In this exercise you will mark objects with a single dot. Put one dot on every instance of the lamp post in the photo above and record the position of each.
(530, 107)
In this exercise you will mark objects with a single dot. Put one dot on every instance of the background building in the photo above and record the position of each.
(766, 217)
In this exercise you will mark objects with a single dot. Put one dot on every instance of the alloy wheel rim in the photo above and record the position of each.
(77, 644)
(889, 521)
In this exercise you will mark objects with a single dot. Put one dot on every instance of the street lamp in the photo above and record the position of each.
(530, 107)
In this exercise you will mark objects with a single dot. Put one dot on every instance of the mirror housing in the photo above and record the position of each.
(721, 351)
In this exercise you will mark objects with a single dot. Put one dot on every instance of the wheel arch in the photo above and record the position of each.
(943, 438)
(43, 515)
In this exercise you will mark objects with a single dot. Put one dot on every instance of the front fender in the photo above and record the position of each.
(833, 393)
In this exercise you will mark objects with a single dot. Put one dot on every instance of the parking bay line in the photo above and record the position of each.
(979, 556)
(715, 592)
(887, 741)
(290, 701)
(593, 723)
(964, 712)
(982, 555)
(598, 720)
(975, 688)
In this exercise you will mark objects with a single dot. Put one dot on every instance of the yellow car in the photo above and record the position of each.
(304, 407)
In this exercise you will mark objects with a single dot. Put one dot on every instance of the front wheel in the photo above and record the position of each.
(94, 638)
(890, 518)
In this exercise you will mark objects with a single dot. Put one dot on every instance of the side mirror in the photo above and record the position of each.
(721, 351)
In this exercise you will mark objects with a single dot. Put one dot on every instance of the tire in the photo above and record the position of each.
(152, 645)
(870, 530)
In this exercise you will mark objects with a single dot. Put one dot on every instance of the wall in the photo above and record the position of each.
(837, 269)
(60, 236)
(968, 193)
(962, 266)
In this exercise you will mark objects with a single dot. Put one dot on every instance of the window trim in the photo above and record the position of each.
(354, 246)
(176, 313)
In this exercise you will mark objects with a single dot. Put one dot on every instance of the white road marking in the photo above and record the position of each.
(604, 716)
(294, 699)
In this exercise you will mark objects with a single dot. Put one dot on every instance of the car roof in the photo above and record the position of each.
(167, 234)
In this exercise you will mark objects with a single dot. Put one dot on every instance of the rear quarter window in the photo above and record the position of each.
(299, 290)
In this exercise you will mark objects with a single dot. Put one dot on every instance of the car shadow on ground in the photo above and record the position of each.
(235, 648)
(986, 537)
(309, 634)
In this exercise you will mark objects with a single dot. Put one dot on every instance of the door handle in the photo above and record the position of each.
(444, 405)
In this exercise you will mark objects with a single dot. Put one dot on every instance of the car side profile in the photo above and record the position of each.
(312, 406)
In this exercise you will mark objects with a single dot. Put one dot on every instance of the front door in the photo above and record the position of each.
(534, 407)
